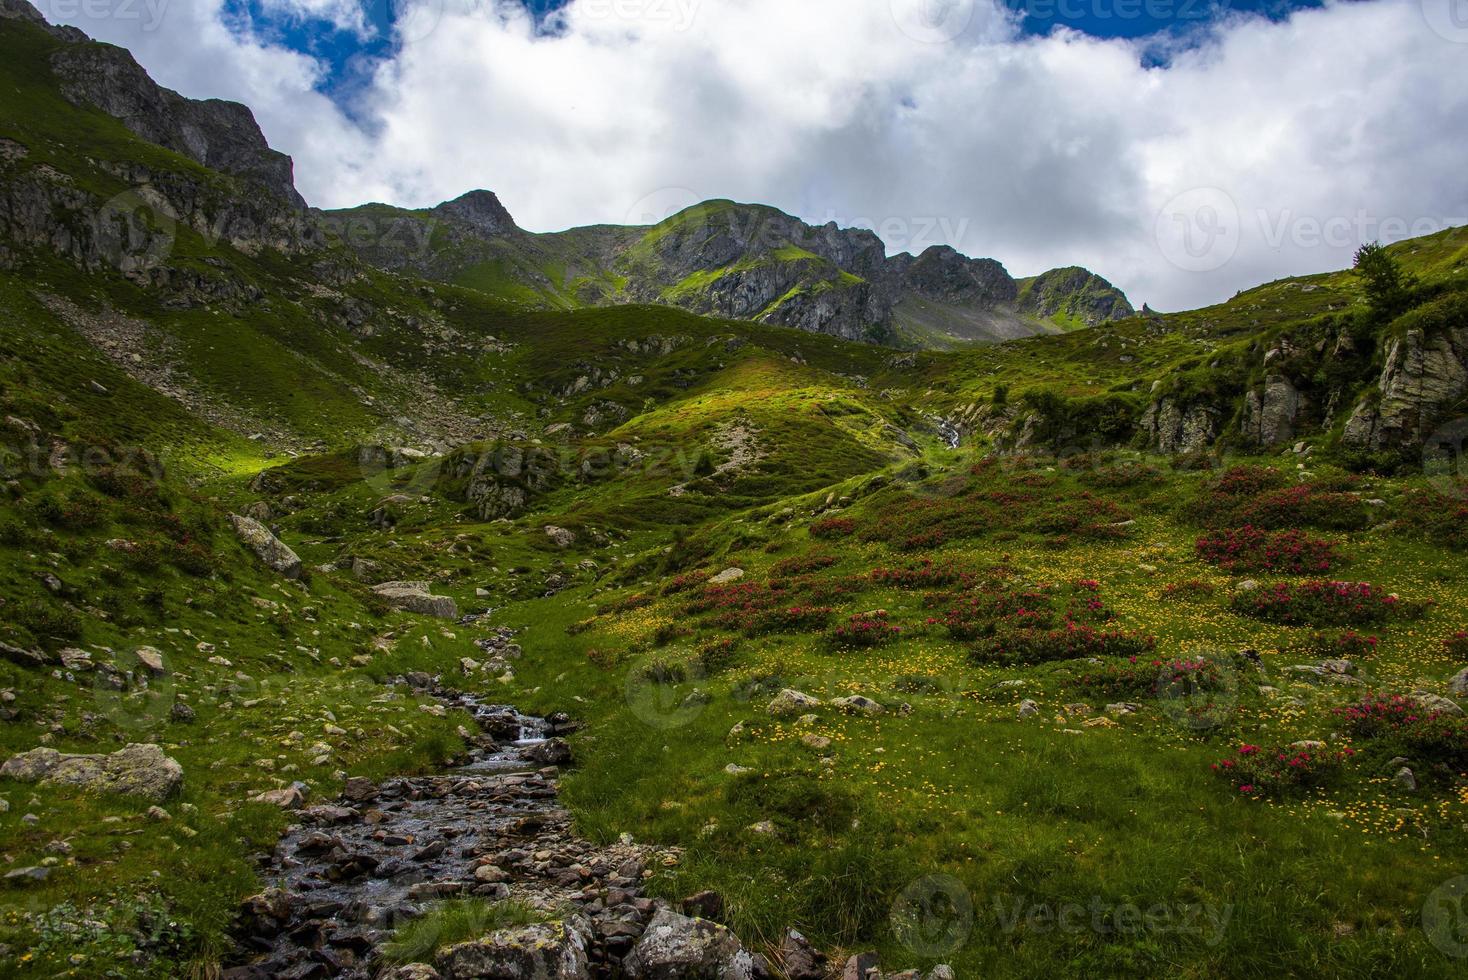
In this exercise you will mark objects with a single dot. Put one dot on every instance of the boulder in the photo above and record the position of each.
(414, 597)
(270, 549)
(1436, 703)
(559, 536)
(676, 947)
(551, 752)
(1028, 708)
(1459, 684)
(858, 704)
(292, 797)
(544, 951)
(726, 576)
(140, 769)
(792, 702)
(862, 966)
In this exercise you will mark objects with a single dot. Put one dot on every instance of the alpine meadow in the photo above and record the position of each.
(427, 591)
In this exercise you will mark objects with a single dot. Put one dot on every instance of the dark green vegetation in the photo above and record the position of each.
(390, 428)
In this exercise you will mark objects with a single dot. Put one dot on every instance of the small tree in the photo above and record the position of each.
(1388, 287)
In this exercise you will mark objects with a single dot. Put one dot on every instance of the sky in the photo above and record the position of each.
(1183, 149)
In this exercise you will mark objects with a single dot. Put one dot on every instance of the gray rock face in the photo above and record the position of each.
(220, 135)
(676, 947)
(545, 951)
(1272, 414)
(1422, 377)
(414, 597)
(140, 769)
(1173, 428)
(270, 549)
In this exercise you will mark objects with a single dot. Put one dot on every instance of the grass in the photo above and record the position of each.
(455, 921)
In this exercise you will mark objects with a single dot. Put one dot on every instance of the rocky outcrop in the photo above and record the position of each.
(270, 549)
(1171, 427)
(414, 597)
(1272, 414)
(1074, 294)
(1424, 374)
(138, 770)
(220, 135)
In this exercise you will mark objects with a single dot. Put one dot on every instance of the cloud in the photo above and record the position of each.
(1260, 150)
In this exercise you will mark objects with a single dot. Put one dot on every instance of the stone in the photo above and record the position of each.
(1122, 708)
(413, 971)
(1436, 703)
(551, 752)
(139, 769)
(414, 597)
(292, 797)
(1028, 708)
(726, 576)
(677, 947)
(267, 547)
(543, 951)
(25, 875)
(862, 966)
(1459, 684)
(151, 660)
(818, 742)
(790, 702)
(559, 536)
(858, 704)
(1405, 780)
(799, 960)
(75, 660)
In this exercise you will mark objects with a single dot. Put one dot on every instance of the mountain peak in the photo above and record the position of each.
(481, 210)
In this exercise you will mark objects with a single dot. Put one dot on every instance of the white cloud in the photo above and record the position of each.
(1037, 151)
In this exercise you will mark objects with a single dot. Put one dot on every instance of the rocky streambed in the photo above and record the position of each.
(351, 872)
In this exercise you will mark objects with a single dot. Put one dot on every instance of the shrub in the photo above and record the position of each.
(922, 575)
(1440, 518)
(1191, 590)
(868, 629)
(1262, 497)
(833, 527)
(686, 581)
(1324, 603)
(795, 619)
(1407, 728)
(1039, 625)
(1137, 677)
(45, 619)
(802, 564)
(1256, 771)
(1457, 645)
(1253, 549)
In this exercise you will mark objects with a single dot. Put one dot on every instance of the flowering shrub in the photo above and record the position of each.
(1140, 677)
(1038, 625)
(1441, 518)
(1190, 591)
(1409, 729)
(686, 581)
(1087, 515)
(1262, 497)
(868, 629)
(1457, 645)
(794, 619)
(833, 527)
(1256, 771)
(922, 575)
(1346, 644)
(1254, 549)
(1324, 603)
(628, 603)
(802, 564)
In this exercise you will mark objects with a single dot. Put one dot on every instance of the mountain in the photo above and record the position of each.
(739, 261)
